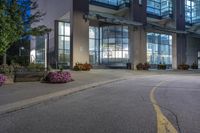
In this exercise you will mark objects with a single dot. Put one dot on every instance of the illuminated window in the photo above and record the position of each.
(112, 2)
(94, 45)
(114, 44)
(159, 7)
(192, 11)
(159, 49)
(63, 44)
(40, 49)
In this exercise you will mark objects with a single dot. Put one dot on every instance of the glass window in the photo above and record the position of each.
(160, 51)
(159, 7)
(93, 45)
(112, 2)
(192, 11)
(64, 44)
(114, 49)
(40, 49)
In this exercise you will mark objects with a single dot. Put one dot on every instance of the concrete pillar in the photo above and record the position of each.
(79, 32)
(174, 51)
(181, 48)
(180, 38)
(137, 35)
(138, 50)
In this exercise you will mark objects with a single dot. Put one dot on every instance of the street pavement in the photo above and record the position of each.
(148, 103)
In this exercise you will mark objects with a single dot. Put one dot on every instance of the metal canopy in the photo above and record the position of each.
(108, 18)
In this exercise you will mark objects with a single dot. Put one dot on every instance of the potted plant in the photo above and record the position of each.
(162, 66)
(183, 67)
(194, 65)
(139, 66)
(146, 66)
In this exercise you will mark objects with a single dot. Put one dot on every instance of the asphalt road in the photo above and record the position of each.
(135, 105)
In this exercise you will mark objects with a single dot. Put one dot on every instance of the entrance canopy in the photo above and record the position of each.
(109, 18)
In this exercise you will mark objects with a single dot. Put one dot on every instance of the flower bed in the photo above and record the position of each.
(82, 67)
(58, 77)
(2, 79)
(144, 66)
(183, 67)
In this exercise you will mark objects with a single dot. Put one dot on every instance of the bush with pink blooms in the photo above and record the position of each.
(58, 77)
(2, 79)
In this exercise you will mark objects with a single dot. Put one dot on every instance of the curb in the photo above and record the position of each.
(12, 107)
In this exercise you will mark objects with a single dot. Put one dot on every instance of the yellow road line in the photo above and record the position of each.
(163, 124)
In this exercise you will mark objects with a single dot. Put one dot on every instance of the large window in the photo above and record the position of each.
(63, 44)
(159, 7)
(114, 45)
(192, 11)
(40, 49)
(94, 45)
(159, 49)
(112, 2)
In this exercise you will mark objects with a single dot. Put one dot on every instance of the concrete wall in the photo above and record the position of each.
(193, 46)
(137, 46)
(79, 32)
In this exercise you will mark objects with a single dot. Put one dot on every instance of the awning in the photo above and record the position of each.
(108, 18)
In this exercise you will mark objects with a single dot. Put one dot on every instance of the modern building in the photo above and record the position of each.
(114, 32)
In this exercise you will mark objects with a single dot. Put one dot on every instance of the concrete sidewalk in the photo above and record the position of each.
(15, 96)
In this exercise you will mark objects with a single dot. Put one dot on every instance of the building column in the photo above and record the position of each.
(79, 32)
(137, 35)
(180, 37)
(174, 51)
(138, 49)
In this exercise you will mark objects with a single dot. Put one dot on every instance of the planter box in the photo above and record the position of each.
(9, 79)
(28, 76)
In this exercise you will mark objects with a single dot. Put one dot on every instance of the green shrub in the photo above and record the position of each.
(35, 67)
(6, 69)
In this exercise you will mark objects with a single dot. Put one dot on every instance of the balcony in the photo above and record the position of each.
(112, 4)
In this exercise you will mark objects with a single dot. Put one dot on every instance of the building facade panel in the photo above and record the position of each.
(116, 32)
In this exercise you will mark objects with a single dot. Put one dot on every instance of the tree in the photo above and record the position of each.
(16, 18)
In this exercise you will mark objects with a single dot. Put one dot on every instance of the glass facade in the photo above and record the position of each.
(63, 44)
(108, 45)
(94, 45)
(111, 2)
(114, 45)
(159, 7)
(40, 50)
(192, 11)
(159, 49)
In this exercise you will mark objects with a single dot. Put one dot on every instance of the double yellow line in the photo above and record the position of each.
(163, 124)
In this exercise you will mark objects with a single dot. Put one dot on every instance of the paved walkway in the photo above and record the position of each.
(27, 90)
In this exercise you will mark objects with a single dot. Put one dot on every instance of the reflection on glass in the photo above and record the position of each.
(192, 11)
(63, 44)
(159, 7)
(159, 49)
(93, 45)
(112, 2)
(114, 48)
(40, 49)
